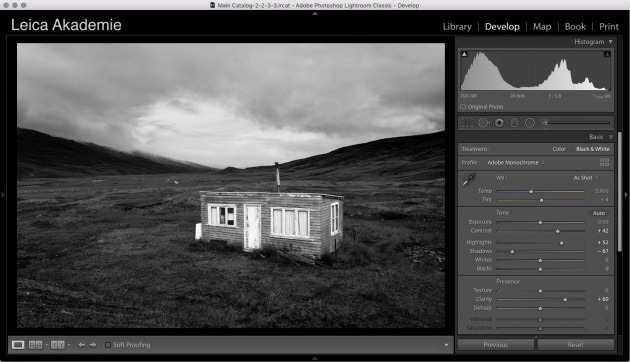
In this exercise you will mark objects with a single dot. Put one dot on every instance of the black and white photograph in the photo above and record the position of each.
(230, 185)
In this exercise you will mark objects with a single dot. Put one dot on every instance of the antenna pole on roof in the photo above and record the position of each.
(278, 177)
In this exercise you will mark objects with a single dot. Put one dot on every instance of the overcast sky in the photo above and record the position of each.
(231, 104)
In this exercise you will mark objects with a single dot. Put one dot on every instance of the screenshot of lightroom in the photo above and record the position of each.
(316, 180)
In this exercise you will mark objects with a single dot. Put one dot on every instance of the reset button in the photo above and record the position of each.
(576, 344)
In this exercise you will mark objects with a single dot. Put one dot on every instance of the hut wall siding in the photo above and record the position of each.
(328, 241)
(325, 220)
(236, 235)
(339, 236)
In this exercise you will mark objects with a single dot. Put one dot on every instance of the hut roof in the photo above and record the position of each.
(284, 194)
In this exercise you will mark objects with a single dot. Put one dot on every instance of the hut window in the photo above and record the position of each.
(302, 223)
(290, 222)
(334, 218)
(222, 215)
(276, 221)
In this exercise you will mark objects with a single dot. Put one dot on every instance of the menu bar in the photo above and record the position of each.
(532, 27)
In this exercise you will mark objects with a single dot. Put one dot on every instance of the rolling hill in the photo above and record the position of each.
(420, 157)
(409, 158)
(42, 155)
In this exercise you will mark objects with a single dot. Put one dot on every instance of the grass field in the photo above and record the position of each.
(119, 251)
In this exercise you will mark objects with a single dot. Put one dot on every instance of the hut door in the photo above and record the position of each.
(252, 227)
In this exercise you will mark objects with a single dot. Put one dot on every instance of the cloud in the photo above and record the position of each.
(207, 103)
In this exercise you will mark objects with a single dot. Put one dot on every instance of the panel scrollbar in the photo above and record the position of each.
(619, 191)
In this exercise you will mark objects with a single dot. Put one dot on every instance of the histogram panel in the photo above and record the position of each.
(541, 70)
(550, 80)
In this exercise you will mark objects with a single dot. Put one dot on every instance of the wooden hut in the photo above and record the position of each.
(299, 223)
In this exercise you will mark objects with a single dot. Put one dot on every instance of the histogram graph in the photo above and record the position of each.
(546, 70)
